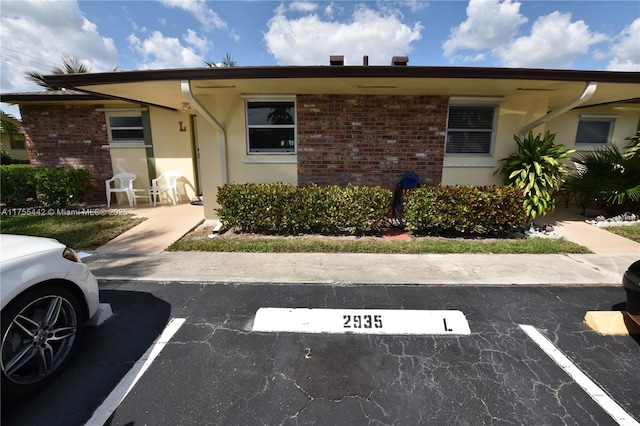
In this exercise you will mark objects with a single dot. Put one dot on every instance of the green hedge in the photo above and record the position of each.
(23, 186)
(16, 186)
(288, 210)
(465, 210)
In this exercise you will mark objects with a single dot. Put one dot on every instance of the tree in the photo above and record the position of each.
(70, 65)
(8, 124)
(227, 62)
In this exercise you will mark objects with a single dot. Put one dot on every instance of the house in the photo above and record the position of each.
(12, 137)
(333, 124)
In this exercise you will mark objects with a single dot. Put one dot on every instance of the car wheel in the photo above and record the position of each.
(40, 329)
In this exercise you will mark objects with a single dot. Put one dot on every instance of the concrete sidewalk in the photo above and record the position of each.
(345, 269)
(139, 254)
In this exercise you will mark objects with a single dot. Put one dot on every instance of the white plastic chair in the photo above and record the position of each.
(124, 183)
(166, 183)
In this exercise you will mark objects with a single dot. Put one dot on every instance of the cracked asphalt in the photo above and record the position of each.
(215, 371)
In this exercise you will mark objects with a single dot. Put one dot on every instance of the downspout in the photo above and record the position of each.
(186, 91)
(588, 91)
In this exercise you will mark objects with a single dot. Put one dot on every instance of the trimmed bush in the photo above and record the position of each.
(61, 187)
(465, 210)
(17, 186)
(289, 210)
(23, 186)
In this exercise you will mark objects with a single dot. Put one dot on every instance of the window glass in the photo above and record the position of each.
(594, 131)
(17, 144)
(270, 113)
(470, 129)
(125, 121)
(271, 127)
(468, 143)
(126, 129)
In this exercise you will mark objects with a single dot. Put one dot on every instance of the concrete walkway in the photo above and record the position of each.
(569, 223)
(164, 224)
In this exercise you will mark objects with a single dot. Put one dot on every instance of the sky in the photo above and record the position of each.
(158, 34)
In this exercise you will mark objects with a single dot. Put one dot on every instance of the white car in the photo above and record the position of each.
(46, 295)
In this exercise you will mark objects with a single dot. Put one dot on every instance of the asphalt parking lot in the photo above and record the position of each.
(216, 371)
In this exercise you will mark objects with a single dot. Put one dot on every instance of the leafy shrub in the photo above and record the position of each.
(288, 209)
(465, 210)
(536, 169)
(17, 186)
(61, 187)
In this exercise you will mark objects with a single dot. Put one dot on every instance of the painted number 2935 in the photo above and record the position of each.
(362, 321)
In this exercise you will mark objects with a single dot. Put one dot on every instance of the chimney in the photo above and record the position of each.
(399, 60)
(365, 61)
(336, 60)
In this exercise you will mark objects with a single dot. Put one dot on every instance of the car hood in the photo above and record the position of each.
(17, 246)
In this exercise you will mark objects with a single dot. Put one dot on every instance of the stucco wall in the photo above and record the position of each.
(229, 111)
(17, 154)
(626, 125)
(513, 114)
(172, 149)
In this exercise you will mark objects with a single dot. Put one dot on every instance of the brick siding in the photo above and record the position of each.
(68, 136)
(370, 140)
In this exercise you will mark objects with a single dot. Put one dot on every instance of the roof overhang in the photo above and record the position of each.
(163, 87)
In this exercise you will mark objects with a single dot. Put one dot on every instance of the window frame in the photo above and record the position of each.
(18, 143)
(594, 118)
(493, 103)
(294, 126)
(127, 114)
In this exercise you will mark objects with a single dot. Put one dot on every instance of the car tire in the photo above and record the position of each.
(40, 332)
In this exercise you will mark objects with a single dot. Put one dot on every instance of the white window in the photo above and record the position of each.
(470, 129)
(125, 128)
(271, 127)
(595, 129)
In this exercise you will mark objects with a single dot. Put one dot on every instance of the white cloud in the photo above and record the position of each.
(626, 50)
(555, 42)
(309, 40)
(414, 5)
(160, 52)
(35, 35)
(198, 8)
(199, 43)
(489, 24)
(302, 6)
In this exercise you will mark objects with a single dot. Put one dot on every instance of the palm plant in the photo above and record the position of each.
(611, 179)
(227, 62)
(633, 149)
(537, 168)
(70, 65)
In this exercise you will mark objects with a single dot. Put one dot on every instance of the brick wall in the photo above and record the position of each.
(370, 140)
(68, 136)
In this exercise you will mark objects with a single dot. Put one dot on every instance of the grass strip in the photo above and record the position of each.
(416, 246)
(80, 232)
(631, 232)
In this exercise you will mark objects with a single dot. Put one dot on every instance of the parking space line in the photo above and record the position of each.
(119, 393)
(592, 389)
